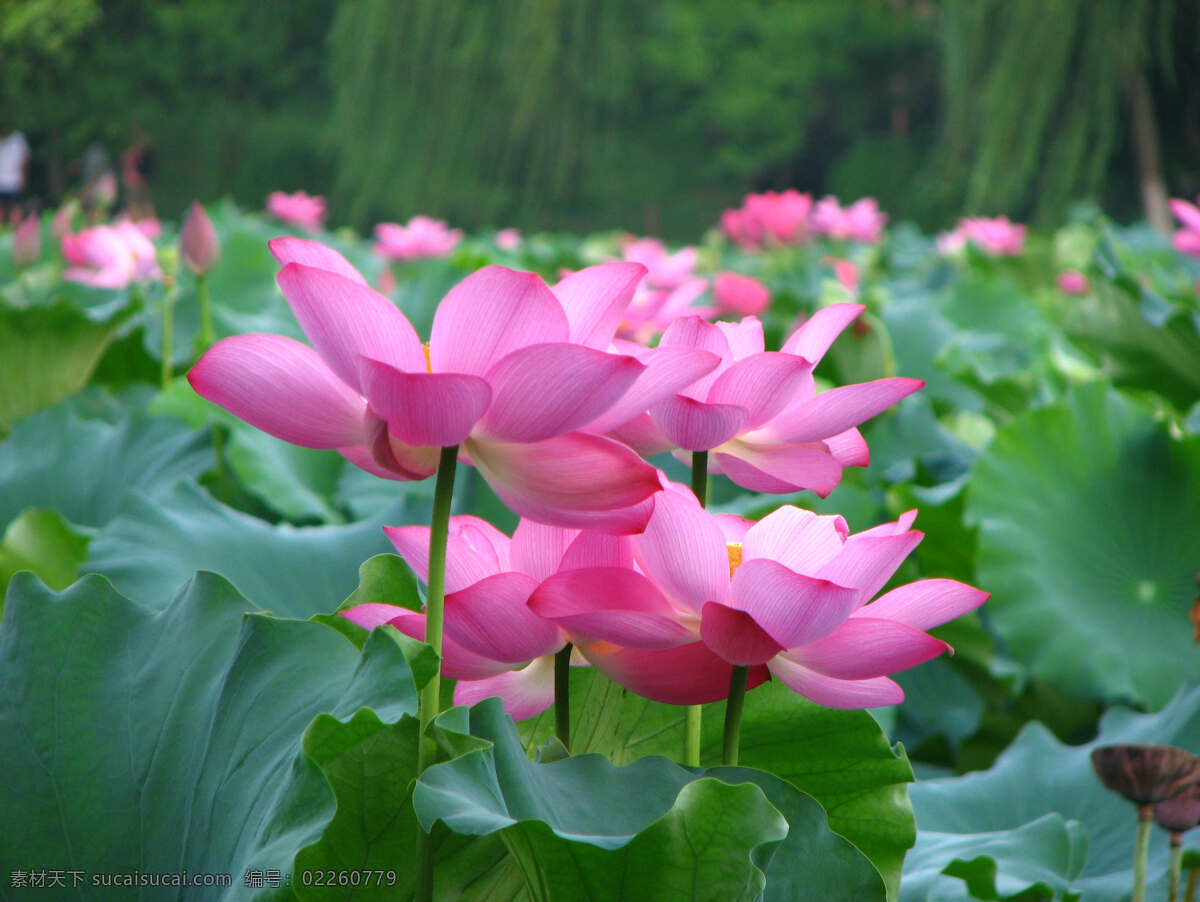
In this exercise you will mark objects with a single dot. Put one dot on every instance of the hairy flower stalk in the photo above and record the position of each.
(429, 704)
(562, 695)
(1140, 849)
(733, 715)
(168, 330)
(694, 716)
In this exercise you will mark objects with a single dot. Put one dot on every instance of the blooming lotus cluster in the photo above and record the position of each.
(1187, 239)
(758, 413)
(301, 210)
(789, 217)
(517, 374)
(769, 218)
(422, 238)
(862, 221)
(999, 237)
(110, 256)
(668, 613)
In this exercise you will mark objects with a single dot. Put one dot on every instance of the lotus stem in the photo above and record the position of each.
(733, 714)
(208, 334)
(1140, 849)
(168, 332)
(562, 695)
(1176, 867)
(694, 714)
(430, 701)
(1193, 873)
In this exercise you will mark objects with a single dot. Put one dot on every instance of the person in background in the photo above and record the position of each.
(14, 170)
(99, 191)
(137, 165)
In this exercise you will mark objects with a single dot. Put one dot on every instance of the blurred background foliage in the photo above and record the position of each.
(618, 113)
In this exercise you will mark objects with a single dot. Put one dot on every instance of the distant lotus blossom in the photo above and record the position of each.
(61, 224)
(508, 239)
(1187, 239)
(110, 256)
(769, 218)
(847, 275)
(1073, 282)
(422, 238)
(150, 227)
(999, 237)
(791, 594)
(663, 269)
(862, 221)
(198, 241)
(740, 295)
(301, 210)
(652, 310)
(27, 242)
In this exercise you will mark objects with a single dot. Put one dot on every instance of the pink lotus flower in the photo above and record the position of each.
(198, 241)
(508, 239)
(109, 256)
(27, 242)
(1187, 239)
(422, 237)
(862, 221)
(299, 209)
(663, 269)
(512, 371)
(758, 412)
(494, 645)
(654, 309)
(846, 273)
(768, 218)
(1073, 282)
(61, 224)
(740, 294)
(998, 237)
(150, 227)
(789, 596)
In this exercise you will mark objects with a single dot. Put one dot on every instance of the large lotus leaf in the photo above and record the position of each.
(919, 332)
(41, 541)
(162, 741)
(45, 354)
(81, 467)
(581, 827)
(1159, 351)
(152, 545)
(840, 758)
(1088, 542)
(1001, 814)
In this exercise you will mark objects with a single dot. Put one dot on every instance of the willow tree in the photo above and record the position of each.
(474, 107)
(1040, 95)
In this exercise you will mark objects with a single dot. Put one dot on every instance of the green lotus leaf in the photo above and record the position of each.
(41, 541)
(46, 353)
(82, 466)
(581, 827)
(1088, 543)
(148, 741)
(841, 758)
(152, 545)
(1029, 820)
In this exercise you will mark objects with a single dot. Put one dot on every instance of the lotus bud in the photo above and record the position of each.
(27, 242)
(198, 241)
(1073, 282)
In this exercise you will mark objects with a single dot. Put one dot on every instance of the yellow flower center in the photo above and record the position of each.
(428, 365)
(735, 556)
